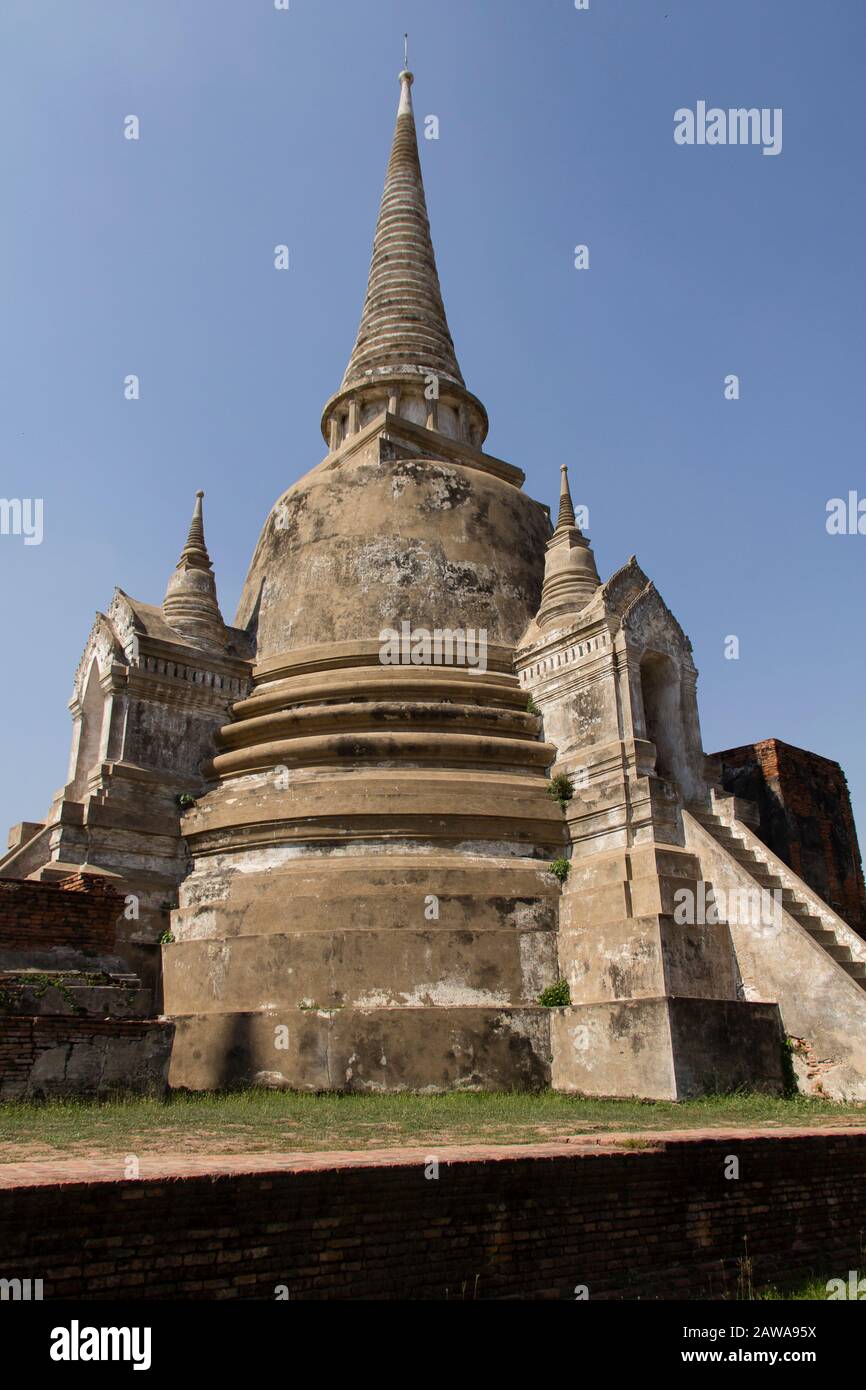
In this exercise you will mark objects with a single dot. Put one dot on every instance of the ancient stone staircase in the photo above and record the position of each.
(805, 957)
(796, 904)
(74, 1019)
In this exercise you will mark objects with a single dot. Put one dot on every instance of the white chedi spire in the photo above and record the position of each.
(190, 605)
(570, 574)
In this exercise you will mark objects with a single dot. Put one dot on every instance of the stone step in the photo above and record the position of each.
(838, 952)
(72, 977)
(823, 938)
(379, 969)
(803, 915)
(59, 960)
(746, 858)
(371, 1049)
(267, 911)
(856, 969)
(64, 993)
(816, 928)
(707, 818)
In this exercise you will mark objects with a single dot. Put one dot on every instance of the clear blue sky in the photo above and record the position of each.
(260, 127)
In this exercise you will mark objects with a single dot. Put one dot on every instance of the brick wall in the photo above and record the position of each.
(81, 912)
(806, 818)
(16, 1052)
(533, 1221)
(97, 885)
(58, 1055)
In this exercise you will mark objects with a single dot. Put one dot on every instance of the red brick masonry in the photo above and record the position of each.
(805, 818)
(91, 1055)
(528, 1221)
(81, 912)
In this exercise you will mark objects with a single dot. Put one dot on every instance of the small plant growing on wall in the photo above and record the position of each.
(532, 707)
(185, 800)
(559, 868)
(555, 996)
(166, 937)
(561, 789)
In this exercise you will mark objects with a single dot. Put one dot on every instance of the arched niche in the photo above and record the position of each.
(662, 712)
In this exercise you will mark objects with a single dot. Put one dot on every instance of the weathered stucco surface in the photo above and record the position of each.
(379, 533)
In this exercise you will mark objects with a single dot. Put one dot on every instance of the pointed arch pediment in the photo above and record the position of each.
(127, 623)
(624, 586)
(102, 646)
(651, 625)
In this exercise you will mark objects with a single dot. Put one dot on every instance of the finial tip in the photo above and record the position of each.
(406, 75)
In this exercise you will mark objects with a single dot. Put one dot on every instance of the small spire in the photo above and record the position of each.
(570, 574)
(566, 506)
(190, 605)
(194, 552)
